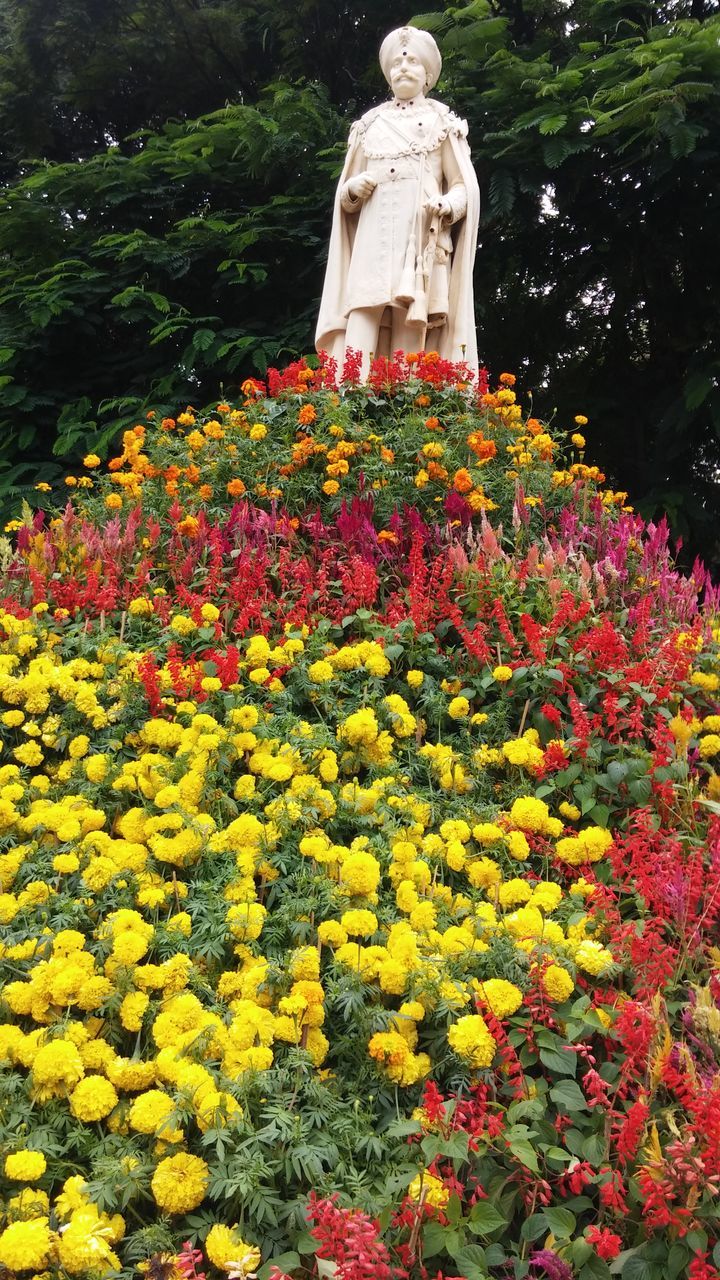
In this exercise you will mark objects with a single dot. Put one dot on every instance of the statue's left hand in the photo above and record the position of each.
(441, 207)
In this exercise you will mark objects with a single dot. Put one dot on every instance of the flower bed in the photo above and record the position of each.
(360, 864)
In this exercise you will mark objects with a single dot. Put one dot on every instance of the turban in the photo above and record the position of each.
(418, 42)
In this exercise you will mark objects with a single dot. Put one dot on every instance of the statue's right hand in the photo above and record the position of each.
(361, 186)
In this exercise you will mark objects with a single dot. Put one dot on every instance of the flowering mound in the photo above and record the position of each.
(360, 862)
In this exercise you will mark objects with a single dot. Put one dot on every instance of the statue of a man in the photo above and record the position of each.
(404, 233)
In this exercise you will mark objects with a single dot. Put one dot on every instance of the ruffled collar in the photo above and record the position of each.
(408, 106)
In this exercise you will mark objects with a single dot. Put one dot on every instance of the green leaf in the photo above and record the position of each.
(471, 1260)
(305, 1243)
(563, 1064)
(561, 1222)
(568, 1096)
(555, 151)
(484, 1218)
(501, 191)
(533, 1227)
(434, 1239)
(637, 1268)
(677, 1260)
(595, 1269)
(595, 1149)
(600, 813)
(525, 1153)
(557, 1153)
(454, 1146)
(553, 124)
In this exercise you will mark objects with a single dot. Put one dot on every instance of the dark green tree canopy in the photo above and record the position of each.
(168, 174)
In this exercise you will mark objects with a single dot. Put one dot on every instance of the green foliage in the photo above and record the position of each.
(595, 128)
(159, 273)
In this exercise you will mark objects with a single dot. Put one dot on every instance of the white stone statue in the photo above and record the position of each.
(404, 232)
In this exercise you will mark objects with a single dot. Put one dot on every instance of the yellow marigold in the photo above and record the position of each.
(320, 672)
(359, 924)
(517, 845)
(57, 1065)
(31, 1202)
(587, 846)
(227, 1250)
(85, 1243)
(182, 625)
(25, 1166)
(458, 708)
(502, 998)
(705, 680)
(360, 875)
(26, 1246)
(502, 673)
(471, 1040)
(132, 1010)
(93, 1099)
(432, 1189)
(415, 678)
(592, 957)
(484, 873)
(29, 754)
(179, 1183)
(557, 983)
(331, 934)
(78, 746)
(530, 814)
(150, 1111)
(360, 728)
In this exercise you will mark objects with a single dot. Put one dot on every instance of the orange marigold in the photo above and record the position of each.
(462, 480)
(436, 471)
(483, 449)
(306, 415)
(236, 488)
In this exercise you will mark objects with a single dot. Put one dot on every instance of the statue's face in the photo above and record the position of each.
(407, 75)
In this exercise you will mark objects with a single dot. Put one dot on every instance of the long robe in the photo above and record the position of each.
(386, 250)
